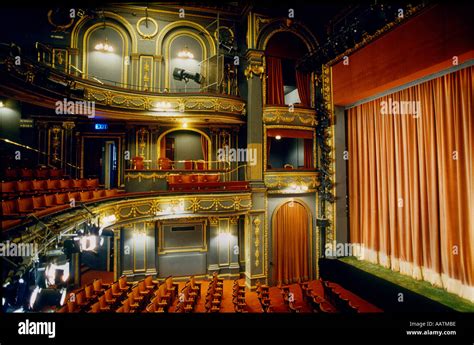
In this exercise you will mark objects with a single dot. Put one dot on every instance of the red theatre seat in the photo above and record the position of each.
(138, 163)
(8, 189)
(56, 173)
(26, 173)
(24, 187)
(41, 173)
(92, 183)
(188, 165)
(52, 185)
(25, 205)
(38, 186)
(10, 173)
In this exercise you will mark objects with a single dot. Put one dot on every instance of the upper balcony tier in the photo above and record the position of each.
(40, 84)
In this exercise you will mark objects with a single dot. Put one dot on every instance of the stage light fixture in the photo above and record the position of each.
(181, 74)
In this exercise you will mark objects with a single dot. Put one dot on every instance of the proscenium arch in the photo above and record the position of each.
(183, 24)
(310, 229)
(171, 38)
(122, 34)
(209, 142)
(81, 22)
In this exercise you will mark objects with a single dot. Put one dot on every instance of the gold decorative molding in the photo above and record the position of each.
(328, 101)
(283, 115)
(256, 223)
(144, 35)
(254, 70)
(179, 104)
(176, 205)
(292, 182)
(213, 220)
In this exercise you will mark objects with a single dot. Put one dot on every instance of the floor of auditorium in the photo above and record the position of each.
(253, 304)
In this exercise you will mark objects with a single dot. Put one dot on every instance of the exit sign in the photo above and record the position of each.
(101, 126)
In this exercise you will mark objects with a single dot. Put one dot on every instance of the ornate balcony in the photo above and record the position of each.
(284, 115)
(291, 182)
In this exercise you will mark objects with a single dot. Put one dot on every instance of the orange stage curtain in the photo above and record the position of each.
(411, 189)
(163, 147)
(290, 244)
(303, 81)
(275, 92)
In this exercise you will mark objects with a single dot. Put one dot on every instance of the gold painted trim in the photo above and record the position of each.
(182, 249)
(282, 115)
(265, 127)
(143, 35)
(183, 24)
(80, 23)
(209, 142)
(85, 49)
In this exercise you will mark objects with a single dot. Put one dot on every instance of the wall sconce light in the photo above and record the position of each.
(104, 47)
(278, 137)
(1, 104)
(185, 53)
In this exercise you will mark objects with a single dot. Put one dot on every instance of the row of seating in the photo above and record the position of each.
(11, 173)
(95, 296)
(214, 294)
(188, 296)
(238, 297)
(163, 297)
(11, 189)
(203, 182)
(334, 297)
(168, 164)
(289, 299)
(263, 294)
(15, 211)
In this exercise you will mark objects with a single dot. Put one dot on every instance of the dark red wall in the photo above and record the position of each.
(423, 45)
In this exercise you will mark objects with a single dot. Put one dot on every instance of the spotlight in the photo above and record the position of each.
(181, 74)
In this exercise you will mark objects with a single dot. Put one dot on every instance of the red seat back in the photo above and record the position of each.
(56, 173)
(52, 184)
(188, 165)
(8, 187)
(85, 195)
(38, 185)
(23, 186)
(64, 184)
(62, 198)
(92, 183)
(50, 200)
(9, 207)
(10, 173)
(26, 173)
(39, 201)
(25, 205)
(41, 173)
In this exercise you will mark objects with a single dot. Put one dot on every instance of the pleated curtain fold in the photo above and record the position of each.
(411, 189)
